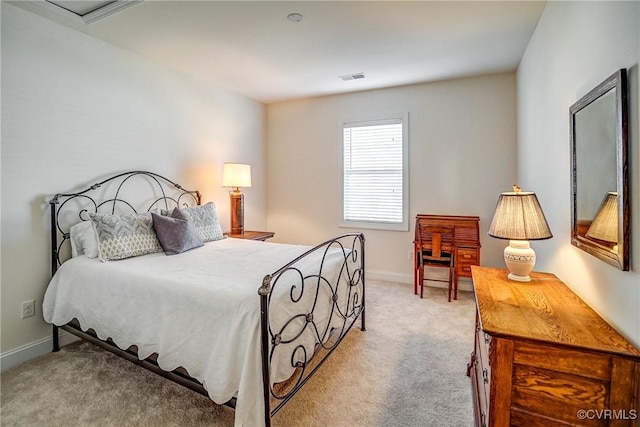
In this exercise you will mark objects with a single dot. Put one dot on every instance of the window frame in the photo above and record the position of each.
(378, 225)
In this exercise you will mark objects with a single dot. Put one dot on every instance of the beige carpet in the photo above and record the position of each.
(407, 369)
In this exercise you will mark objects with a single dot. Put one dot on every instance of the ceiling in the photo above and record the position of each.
(250, 47)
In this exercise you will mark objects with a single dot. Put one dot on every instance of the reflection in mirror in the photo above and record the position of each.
(600, 205)
(604, 227)
(596, 154)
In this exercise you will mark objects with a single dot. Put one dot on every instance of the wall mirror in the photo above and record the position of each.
(600, 173)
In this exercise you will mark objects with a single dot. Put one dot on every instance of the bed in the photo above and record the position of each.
(244, 322)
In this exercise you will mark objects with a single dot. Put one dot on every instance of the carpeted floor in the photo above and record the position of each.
(407, 369)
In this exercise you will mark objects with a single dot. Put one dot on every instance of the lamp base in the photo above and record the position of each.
(237, 211)
(520, 259)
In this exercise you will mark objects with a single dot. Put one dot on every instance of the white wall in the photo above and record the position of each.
(575, 47)
(462, 155)
(74, 109)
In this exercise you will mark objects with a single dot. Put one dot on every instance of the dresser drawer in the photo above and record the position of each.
(480, 395)
(465, 258)
(467, 255)
(481, 375)
(484, 341)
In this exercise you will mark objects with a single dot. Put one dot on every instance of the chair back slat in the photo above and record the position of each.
(437, 236)
(436, 244)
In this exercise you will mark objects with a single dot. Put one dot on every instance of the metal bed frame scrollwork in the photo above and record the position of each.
(349, 281)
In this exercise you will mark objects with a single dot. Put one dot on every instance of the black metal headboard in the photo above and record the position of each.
(148, 191)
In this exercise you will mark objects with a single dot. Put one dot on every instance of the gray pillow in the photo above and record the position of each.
(176, 233)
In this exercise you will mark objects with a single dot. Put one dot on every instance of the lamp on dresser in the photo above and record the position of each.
(519, 218)
(236, 176)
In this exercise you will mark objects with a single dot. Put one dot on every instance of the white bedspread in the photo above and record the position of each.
(199, 310)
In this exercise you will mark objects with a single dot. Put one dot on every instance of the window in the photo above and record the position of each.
(375, 174)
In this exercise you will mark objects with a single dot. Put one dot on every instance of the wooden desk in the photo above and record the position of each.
(467, 244)
(542, 357)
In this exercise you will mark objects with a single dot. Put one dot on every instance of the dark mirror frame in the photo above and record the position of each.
(619, 258)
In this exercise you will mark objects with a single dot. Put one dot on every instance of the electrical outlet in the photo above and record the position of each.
(28, 308)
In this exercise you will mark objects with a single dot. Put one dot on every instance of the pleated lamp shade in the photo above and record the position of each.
(518, 216)
(605, 224)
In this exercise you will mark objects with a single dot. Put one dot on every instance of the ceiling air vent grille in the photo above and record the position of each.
(355, 76)
(86, 11)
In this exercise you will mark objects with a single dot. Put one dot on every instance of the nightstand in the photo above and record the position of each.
(252, 235)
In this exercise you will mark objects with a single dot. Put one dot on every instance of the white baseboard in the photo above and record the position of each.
(389, 277)
(464, 284)
(32, 350)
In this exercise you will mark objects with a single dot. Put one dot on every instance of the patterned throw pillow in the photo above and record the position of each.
(121, 236)
(205, 220)
(176, 233)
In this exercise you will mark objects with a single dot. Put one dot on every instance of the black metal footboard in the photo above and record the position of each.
(327, 299)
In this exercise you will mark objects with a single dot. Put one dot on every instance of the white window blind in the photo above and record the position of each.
(373, 181)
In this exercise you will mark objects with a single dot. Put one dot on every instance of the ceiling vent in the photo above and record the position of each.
(87, 11)
(355, 76)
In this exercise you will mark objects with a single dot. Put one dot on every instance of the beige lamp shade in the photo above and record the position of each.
(605, 224)
(236, 175)
(518, 216)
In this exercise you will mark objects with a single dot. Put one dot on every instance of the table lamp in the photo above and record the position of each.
(236, 175)
(605, 225)
(519, 218)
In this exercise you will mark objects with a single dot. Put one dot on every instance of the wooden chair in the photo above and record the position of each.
(433, 253)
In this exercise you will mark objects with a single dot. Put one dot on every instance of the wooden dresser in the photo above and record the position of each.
(542, 357)
(467, 244)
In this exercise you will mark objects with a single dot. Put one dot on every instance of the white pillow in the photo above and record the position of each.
(84, 240)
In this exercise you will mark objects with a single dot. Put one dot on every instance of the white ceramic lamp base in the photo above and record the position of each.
(520, 259)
